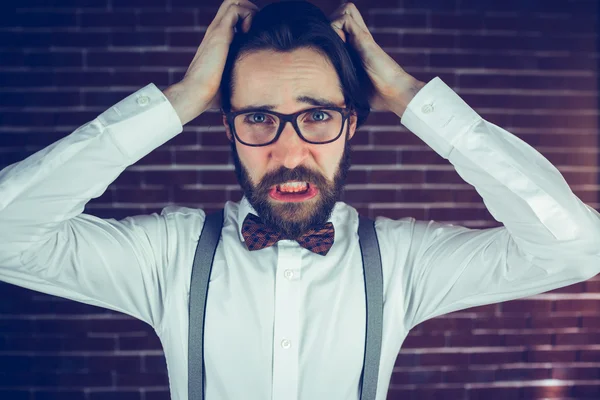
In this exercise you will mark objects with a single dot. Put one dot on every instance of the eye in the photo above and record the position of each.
(319, 116)
(256, 118)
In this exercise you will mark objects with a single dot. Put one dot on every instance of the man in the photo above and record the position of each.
(286, 321)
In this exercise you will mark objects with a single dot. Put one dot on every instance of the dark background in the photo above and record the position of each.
(528, 66)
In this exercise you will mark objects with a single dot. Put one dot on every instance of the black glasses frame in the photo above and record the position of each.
(285, 118)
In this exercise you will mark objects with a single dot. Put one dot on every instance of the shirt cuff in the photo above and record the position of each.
(439, 116)
(141, 122)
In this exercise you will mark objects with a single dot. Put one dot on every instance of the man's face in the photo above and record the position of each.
(279, 79)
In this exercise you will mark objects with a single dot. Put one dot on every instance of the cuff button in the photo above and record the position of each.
(143, 100)
(427, 108)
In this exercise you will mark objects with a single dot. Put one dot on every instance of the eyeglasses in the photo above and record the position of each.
(319, 125)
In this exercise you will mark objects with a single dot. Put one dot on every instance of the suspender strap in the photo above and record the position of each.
(203, 260)
(369, 248)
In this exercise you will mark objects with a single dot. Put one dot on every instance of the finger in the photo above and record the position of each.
(355, 14)
(247, 22)
(237, 13)
(227, 3)
(227, 8)
(348, 20)
(336, 27)
(350, 27)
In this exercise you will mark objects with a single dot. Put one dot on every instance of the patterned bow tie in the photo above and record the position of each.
(257, 236)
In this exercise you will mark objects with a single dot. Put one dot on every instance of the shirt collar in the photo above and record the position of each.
(245, 207)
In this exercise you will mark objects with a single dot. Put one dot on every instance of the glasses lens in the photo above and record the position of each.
(256, 127)
(317, 125)
(320, 125)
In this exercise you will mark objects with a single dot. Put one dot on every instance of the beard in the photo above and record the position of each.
(294, 218)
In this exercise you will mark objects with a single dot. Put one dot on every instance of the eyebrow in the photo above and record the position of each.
(315, 101)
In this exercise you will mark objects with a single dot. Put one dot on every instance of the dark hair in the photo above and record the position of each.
(289, 25)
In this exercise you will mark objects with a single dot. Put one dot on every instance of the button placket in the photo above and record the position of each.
(286, 324)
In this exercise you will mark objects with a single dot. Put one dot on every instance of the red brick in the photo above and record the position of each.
(467, 375)
(378, 157)
(434, 41)
(199, 195)
(590, 321)
(445, 323)
(162, 19)
(395, 138)
(547, 321)
(202, 157)
(423, 393)
(142, 379)
(417, 377)
(157, 157)
(394, 19)
(550, 356)
(577, 305)
(114, 394)
(503, 322)
(496, 393)
(576, 373)
(494, 358)
(109, 19)
(526, 306)
(424, 341)
(444, 358)
(523, 374)
(59, 394)
(577, 338)
(114, 363)
(480, 340)
(142, 195)
(173, 177)
(154, 394)
(396, 176)
(371, 195)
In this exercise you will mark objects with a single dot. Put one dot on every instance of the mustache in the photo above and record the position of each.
(283, 174)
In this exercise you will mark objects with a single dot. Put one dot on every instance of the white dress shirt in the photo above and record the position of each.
(284, 323)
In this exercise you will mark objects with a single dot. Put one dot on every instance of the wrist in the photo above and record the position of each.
(408, 90)
(186, 102)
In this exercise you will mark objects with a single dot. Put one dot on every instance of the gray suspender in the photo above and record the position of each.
(369, 248)
(203, 259)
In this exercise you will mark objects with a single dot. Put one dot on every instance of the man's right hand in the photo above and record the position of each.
(198, 91)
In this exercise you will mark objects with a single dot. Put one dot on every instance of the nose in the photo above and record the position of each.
(290, 150)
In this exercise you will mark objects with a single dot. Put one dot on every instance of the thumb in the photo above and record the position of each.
(339, 30)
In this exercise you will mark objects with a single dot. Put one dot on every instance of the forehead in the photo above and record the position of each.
(269, 77)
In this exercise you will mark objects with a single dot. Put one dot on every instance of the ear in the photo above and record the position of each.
(227, 130)
(352, 120)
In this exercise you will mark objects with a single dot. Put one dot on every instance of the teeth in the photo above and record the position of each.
(293, 187)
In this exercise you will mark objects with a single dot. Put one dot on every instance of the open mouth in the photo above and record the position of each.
(293, 191)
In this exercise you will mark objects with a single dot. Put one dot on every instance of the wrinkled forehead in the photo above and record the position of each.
(281, 79)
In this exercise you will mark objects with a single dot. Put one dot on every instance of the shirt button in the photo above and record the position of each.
(143, 100)
(286, 344)
(427, 108)
(288, 273)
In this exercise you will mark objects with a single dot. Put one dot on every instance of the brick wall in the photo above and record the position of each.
(528, 66)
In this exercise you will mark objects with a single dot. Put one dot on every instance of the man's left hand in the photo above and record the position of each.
(394, 87)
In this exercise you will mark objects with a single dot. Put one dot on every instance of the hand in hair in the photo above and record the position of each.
(394, 87)
(199, 88)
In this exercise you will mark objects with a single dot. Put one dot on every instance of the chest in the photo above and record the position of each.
(285, 320)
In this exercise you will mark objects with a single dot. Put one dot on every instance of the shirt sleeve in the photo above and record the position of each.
(49, 245)
(549, 238)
